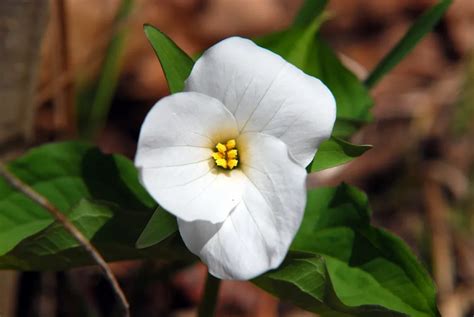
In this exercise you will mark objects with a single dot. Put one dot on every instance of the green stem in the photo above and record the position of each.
(209, 299)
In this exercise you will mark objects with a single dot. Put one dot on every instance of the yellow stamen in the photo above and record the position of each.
(230, 144)
(221, 148)
(221, 163)
(232, 163)
(227, 156)
(218, 155)
(232, 154)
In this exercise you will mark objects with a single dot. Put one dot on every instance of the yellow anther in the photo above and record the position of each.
(232, 163)
(221, 148)
(218, 155)
(230, 144)
(226, 156)
(232, 154)
(221, 163)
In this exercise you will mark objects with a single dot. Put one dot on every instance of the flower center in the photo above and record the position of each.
(226, 155)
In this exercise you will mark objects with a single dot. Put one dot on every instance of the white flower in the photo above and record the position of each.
(227, 157)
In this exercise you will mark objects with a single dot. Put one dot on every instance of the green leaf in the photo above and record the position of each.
(303, 48)
(352, 99)
(88, 217)
(367, 266)
(335, 152)
(339, 265)
(309, 11)
(344, 128)
(111, 229)
(303, 280)
(176, 64)
(161, 226)
(65, 173)
(100, 194)
(417, 31)
(94, 99)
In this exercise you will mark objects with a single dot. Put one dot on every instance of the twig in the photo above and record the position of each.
(69, 226)
(441, 244)
(457, 304)
(8, 289)
(63, 95)
(85, 63)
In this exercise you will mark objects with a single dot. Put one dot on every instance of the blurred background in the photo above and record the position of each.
(83, 68)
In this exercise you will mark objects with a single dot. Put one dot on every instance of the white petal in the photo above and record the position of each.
(256, 236)
(174, 157)
(266, 94)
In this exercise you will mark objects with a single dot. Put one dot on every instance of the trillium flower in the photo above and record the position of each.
(227, 156)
